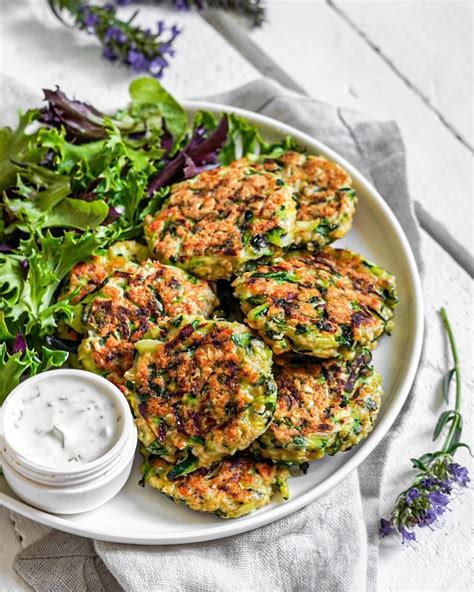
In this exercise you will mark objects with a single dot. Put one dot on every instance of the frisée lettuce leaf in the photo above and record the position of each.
(14, 365)
(31, 276)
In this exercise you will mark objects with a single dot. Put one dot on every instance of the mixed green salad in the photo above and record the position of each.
(74, 180)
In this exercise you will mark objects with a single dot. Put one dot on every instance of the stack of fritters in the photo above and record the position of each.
(224, 408)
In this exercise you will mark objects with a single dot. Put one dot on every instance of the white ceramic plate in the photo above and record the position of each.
(144, 516)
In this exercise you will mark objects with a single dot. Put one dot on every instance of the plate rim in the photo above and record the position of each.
(251, 522)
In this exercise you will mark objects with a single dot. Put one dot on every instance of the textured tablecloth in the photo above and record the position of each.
(332, 544)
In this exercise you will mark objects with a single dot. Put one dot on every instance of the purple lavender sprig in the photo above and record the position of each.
(142, 49)
(427, 499)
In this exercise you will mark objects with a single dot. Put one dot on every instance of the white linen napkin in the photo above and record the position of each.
(332, 544)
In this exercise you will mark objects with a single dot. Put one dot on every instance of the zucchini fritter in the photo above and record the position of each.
(87, 276)
(323, 304)
(322, 407)
(215, 222)
(325, 200)
(129, 304)
(201, 390)
(230, 488)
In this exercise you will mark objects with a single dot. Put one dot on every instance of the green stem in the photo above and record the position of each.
(457, 372)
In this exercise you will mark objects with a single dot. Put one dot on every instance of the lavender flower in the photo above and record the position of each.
(438, 499)
(427, 499)
(385, 527)
(142, 49)
(412, 495)
(115, 34)
(137, 47)
(167, 49)
(137, 60)
(160, 27)
(109, 53)
(429, 517)
(157, 66)
(175, 31)
(429, 502)
(90, 21)
(460, 474)
(407, 536)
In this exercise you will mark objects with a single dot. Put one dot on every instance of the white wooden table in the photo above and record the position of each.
(403, 60)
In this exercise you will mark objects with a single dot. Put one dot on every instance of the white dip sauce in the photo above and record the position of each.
(64, 422)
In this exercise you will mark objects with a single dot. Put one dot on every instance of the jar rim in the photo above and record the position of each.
(77, 481)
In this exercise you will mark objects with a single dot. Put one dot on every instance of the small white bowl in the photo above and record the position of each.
(82, 487)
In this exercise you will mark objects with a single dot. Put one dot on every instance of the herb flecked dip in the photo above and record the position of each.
(64, 421)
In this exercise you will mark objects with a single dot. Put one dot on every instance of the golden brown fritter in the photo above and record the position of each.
(87, 276)
(322, 303)
(325, 199)
(202, 389)
(128, 305)
(323, 407)
(230, 488)
(213, 223)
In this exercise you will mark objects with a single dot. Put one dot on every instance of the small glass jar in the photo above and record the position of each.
(81, 487)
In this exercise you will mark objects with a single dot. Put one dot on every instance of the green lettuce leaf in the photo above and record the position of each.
(244, 139)
(114, 170)
(18, 145)
(148, 95)
(43, 202)
(14, 366)
(48, 266)
(27, 297)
